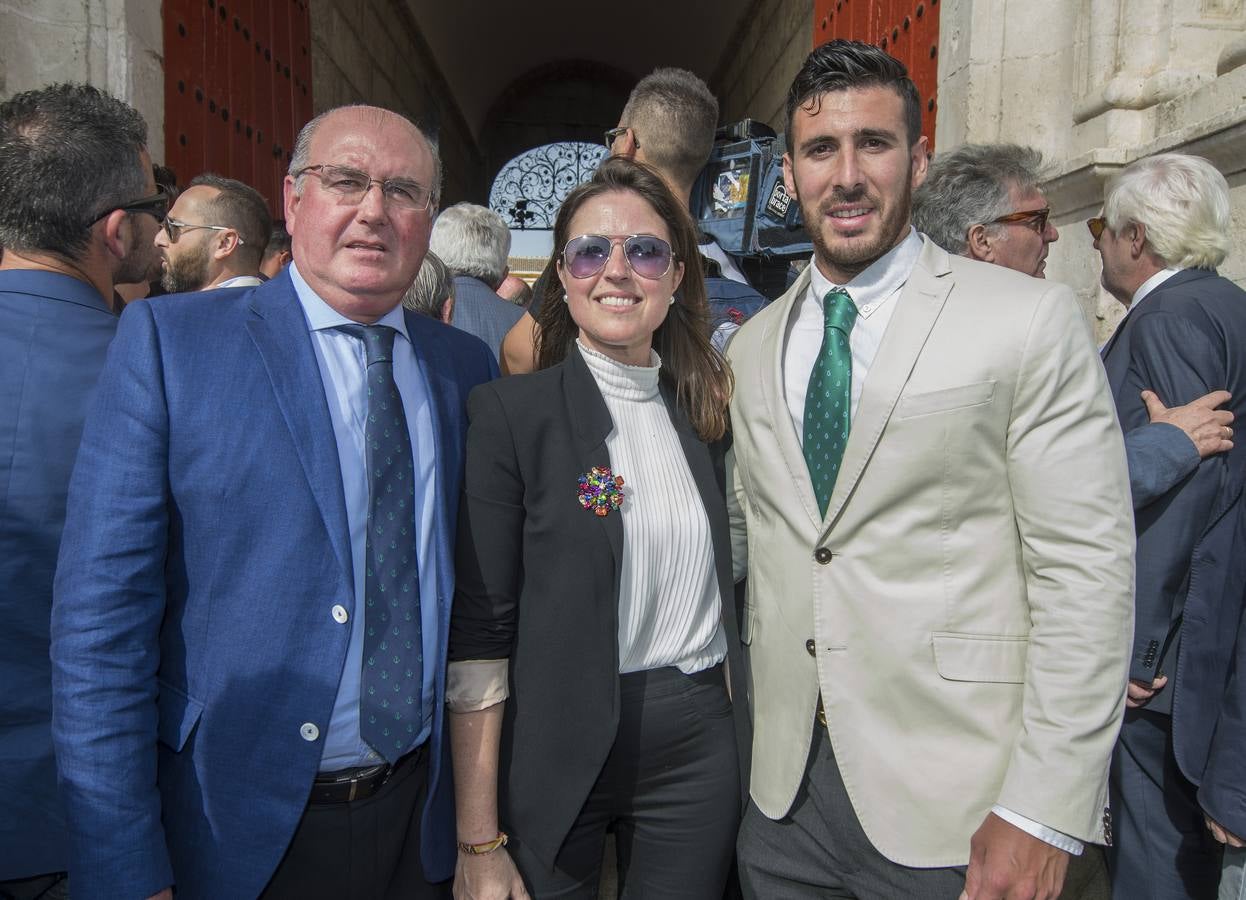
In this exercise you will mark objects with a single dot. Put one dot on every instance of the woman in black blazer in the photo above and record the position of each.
(594, 629)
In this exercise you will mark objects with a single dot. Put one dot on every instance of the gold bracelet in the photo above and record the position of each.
(485, 846)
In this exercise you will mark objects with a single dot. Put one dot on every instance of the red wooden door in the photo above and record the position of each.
(907, 29)
(237, 87)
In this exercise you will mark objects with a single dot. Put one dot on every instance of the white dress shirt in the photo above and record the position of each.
(875, 292)
(343, 359)
(240, 281)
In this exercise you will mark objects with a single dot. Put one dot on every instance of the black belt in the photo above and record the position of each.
(360, 783)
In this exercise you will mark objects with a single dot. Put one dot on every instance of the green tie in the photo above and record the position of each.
(829, 396)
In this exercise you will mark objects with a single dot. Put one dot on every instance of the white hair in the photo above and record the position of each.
(1182, 200)
(472, 240)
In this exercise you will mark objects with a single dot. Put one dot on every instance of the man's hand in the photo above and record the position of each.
(1223, 835)
(1208, 427)
(166, 894)
(1139, 693)
(1005, 863)
(489, 876)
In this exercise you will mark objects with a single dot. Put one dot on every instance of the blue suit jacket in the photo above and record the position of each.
(1187, 338)
(480, 311)
(54, 334)
(205, 546)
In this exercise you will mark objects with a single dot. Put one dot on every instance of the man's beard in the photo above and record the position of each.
(188, 271)
(141, 263)
(855, 258)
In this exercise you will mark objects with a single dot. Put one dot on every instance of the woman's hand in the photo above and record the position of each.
(488, 876)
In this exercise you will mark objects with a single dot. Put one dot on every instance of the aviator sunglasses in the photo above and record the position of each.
(587, 255)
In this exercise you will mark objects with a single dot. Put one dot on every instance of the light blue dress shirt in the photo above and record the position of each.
(343, 364)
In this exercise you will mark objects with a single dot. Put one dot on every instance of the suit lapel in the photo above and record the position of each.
(701, 465)
(775, 397)
(587, 409)
(279, 329)
(917, 309)
(442, 392)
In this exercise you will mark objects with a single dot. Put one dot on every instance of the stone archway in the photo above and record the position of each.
(572, 100)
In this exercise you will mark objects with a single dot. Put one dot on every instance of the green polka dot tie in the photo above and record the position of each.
(392, 680)
(828, 399)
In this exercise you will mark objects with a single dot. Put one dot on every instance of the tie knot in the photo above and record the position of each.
(378, 340)
(838, 310)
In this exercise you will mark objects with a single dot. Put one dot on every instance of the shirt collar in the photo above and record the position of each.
(1152, 283)
(322, 317)
(884, 277)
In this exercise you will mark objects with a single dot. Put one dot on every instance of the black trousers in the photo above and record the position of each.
(54, 886)
(362, 850)
(1161, 847)
(670, 789)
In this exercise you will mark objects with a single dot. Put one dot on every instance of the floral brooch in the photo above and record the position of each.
(601, 490)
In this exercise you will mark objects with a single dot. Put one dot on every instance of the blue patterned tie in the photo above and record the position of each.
(390, 713)
(829, 397)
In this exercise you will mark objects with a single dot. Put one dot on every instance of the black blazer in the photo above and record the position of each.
(1187, 338)
(538, 583)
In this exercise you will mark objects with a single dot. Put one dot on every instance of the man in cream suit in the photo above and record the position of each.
(931, 501)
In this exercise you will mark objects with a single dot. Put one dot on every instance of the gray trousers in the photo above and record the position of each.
(1233, 874)
(819, 849)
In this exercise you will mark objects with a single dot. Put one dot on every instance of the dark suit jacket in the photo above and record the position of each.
(480, 311)
(1187, 338)
(54, 334)
(206, 544)
(539, 583)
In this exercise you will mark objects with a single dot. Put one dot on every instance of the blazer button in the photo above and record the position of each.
(339, 614)
(811, 647)
(309, 732)
(823, 555)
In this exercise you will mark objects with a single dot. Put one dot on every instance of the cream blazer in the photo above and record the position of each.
(965, 608)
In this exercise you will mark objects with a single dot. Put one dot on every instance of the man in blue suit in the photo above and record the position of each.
(71, 230)
(1178, 785)
(252, 600)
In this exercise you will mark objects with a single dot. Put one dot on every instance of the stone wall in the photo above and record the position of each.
(1094, 85)
(761, 60)
(113, 44)
(371, 51)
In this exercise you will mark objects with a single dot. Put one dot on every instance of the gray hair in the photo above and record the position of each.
(1182, 200)
(970, 186)
(301, 158)
(69, 154)
(240, 207)
(432, 289)
(472, 240)
(674, 115)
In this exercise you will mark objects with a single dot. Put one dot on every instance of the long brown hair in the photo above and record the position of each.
(690, 363)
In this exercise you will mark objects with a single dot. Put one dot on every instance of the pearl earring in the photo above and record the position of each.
(564, 298)
(672, 300)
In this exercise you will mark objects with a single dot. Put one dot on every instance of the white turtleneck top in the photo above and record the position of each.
(670, 611)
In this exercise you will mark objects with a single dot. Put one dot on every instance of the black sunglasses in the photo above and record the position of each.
(156, 205)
